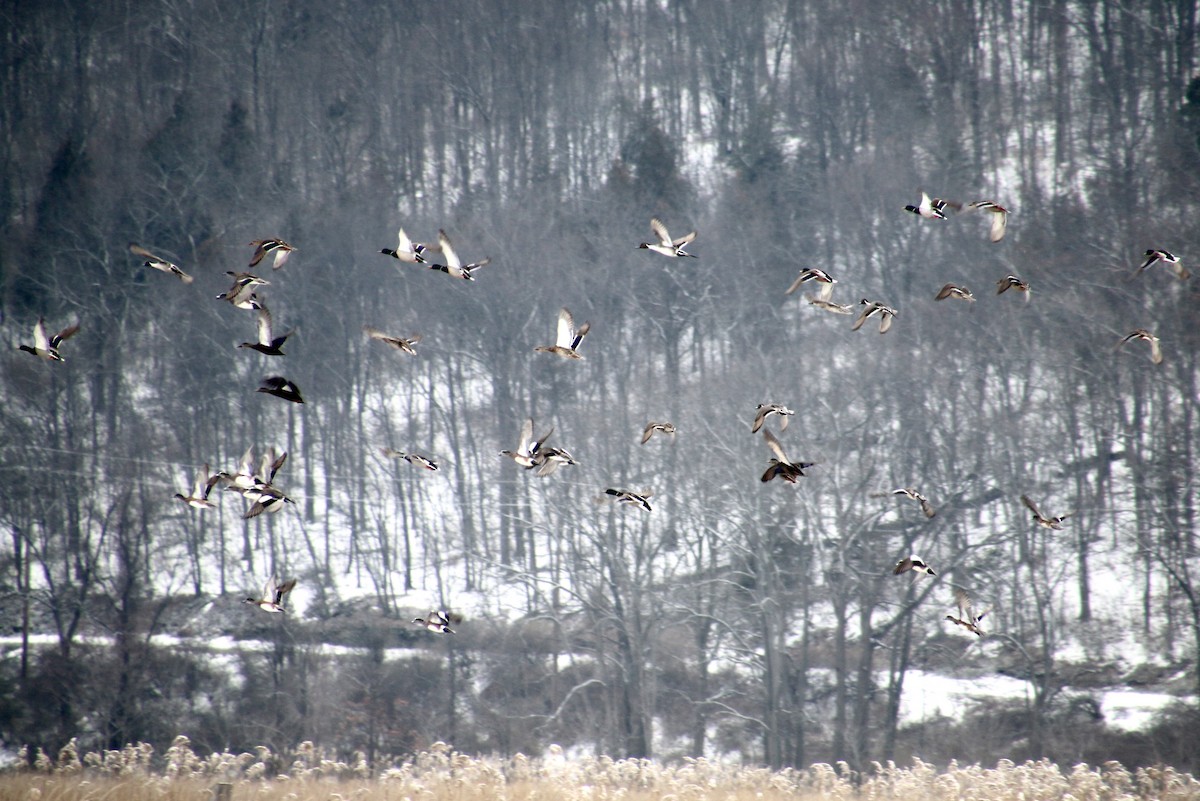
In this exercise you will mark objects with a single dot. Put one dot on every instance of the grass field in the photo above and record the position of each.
(136, 773)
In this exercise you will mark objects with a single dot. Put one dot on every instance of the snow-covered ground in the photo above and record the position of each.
(928, 696)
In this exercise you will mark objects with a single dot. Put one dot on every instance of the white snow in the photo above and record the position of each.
(929, 696)
(1132, 710)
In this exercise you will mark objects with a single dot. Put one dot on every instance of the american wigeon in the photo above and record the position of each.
(567, 341)
(665, 244)
(160, 264)
(281, 387)
(1041, 519)
(46, 347)
(273, 594)
(262, 247)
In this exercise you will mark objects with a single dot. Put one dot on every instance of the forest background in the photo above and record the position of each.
(758, 620)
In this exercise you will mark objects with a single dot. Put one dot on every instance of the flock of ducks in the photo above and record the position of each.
(935, 209)
(256, 482)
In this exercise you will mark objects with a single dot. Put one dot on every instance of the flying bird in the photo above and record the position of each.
(652, 427)
(280, 387)
(198, 499)
(271, 463)
(1142, 334)
(454, 266)
(262, 247)
(257, 486)
(567, 342)
(273, 594)
(409, 251)
(267, 344)
(874, 307)
(1013, 282)
(437, 622)
(829, 305)
(156, 263)
(813, 274)
(412, 458)
(913, 494)
(999, 217)
(1167, 258)
(550, 459)
(781, 466)
(1043, 521)
(249, 478)
(765, 410)
(241, 294)
(665, 244)
(528, 452)
(954, 291)
(630, 498)
(246, 477)
(929, 209)
(46, 347)
(915, 564)
(266, 499)
(399, 343)
(966, 612)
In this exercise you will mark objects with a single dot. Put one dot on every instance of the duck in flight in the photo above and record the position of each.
(247, 478)
(966, 613)
(954, 291)
(266, 499)
(1013, 282)
(46, 347)
(198, 499)
(829, 305)
(665, 244)
(813, 274)
(454, 266)
(1041, 519)
(1169, 259)
(438, 622)
(567, 342)
(281, 387)
(1143, 335)
(874, 307)
(412, 458)
(630, 498)
(241, 294)
(780, 466)
(273, 595)
(402, 344)
(999, 217)
(915, 564)
(653, 427)
(765, 410)
(528, 452)
(913, 494)
(409, 251)
(267, 344)
(262, 247)
(156, 263)
(930, 209)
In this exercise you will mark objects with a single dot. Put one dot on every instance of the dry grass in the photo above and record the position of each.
(441, 774)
